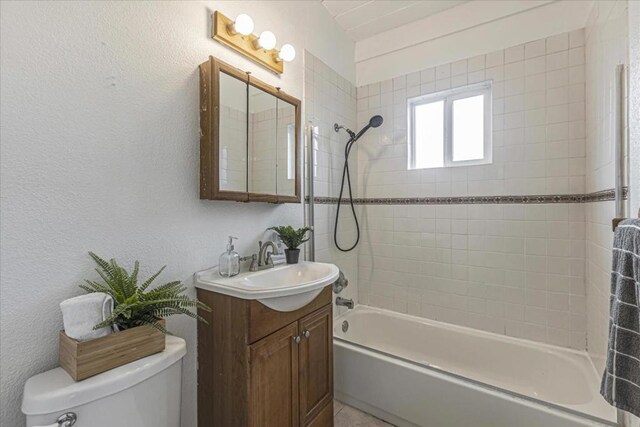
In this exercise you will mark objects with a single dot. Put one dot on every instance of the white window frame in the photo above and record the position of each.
(448, 96)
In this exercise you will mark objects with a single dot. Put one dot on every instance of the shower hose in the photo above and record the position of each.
(345, 173)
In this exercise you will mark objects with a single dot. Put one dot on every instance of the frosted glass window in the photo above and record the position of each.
(450, 128)
(429, 135)
(468, 128)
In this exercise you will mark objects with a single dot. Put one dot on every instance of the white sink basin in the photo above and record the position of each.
(282, 288)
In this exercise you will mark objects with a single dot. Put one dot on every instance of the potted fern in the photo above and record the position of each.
(292, 238)
(138, 317)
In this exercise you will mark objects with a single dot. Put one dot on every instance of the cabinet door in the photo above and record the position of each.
(273, 388)
(316, 363)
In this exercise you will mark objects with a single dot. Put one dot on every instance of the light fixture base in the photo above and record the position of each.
(244, 44)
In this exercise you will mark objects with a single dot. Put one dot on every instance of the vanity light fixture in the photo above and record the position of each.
(267, 40)
(238, 35)
(286, 53)
(242, 25)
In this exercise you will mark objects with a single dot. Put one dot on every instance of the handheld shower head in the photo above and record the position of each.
(374, 122)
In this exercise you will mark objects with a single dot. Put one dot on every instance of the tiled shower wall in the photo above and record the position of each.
(606, 47)
(330, 98)
(538, 124)
(515, 269)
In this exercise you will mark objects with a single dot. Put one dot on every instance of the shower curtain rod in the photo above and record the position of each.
(620, 150)
(310, 157)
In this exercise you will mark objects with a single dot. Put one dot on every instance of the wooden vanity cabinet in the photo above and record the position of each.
(316, 363)
(259, 367)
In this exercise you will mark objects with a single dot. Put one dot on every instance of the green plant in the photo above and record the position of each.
(291, 237)
(134, 305)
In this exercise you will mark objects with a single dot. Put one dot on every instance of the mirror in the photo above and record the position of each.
(249, 138)
(232, 143)
(262, 136)
(286, 149)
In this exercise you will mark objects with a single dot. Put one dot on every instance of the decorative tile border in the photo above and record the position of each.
(606, 195)
(598, 196)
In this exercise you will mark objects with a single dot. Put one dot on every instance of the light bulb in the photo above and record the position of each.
(267, 40)
(287, 52)
(243, 24)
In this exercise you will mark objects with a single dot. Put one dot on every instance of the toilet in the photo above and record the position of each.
(144, 393)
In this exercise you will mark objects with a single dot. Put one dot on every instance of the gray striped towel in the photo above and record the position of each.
(621, 378)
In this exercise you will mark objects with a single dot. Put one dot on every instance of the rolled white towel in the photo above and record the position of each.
(82, 313)
(278, 259)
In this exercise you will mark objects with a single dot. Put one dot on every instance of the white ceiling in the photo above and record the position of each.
(365, 18)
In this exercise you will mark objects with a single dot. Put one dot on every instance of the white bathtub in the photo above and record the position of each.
(412, 371)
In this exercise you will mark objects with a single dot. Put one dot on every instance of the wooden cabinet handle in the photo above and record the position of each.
(296, 339)
(306, 334)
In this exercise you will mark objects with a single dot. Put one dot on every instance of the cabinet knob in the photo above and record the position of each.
(306, 334)
(296, 339)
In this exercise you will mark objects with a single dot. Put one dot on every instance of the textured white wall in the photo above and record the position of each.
(100, 151)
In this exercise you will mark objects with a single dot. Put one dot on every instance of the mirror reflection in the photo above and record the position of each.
(286, 149)
(233, 134)
(262, 141)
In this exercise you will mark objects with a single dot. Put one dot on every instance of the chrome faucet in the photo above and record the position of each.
(257, 263)
(268, 262)
(344, 302)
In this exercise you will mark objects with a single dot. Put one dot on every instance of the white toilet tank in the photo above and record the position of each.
(144, 393)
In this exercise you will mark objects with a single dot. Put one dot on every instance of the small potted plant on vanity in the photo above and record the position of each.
(292, 238)
(137, 320)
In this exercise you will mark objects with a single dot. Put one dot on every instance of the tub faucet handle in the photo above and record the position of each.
(340, 283)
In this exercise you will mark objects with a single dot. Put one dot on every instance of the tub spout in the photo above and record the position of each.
(345, 302)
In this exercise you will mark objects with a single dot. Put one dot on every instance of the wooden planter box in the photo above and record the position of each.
(86, 359)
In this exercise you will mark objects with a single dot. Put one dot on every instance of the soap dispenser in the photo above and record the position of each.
(229, 263)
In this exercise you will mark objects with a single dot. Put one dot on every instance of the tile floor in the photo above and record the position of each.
(346, 416)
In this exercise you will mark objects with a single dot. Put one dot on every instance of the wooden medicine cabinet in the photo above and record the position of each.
(249, 138)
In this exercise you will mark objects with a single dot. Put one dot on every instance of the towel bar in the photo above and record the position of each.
(616, 221)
